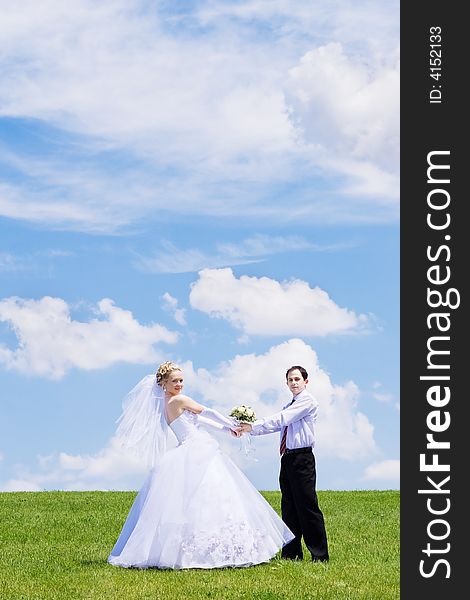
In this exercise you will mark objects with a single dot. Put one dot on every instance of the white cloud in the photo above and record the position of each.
(214, 124)
(110, 468)
(260, 245)
(174, 260)
(254, 249)
(50, 341)
(20, 485)
(171, 304)
(388, 470)
(376, 20)
(343, 432)
(259, 381)
(10, 262)
(29, 262)
(384, 397)
(350, 110)
(264, 306)
(379, 395)
(108, 465)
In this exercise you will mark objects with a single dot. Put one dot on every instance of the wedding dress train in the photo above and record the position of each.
(196, 509)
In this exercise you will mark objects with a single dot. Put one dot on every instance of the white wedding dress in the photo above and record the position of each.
(196, 509)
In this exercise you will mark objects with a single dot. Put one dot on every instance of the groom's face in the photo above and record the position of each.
(295, 382)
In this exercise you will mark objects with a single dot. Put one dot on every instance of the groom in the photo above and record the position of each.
(297, 479)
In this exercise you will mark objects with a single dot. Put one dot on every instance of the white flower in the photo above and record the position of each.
(243, 413)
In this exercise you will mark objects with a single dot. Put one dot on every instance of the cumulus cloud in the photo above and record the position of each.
(50, 341)
(264, 306)
(217, 124)
(343, 432)
(109, 465)
(387, 470)
(110, 468)
(258, 380)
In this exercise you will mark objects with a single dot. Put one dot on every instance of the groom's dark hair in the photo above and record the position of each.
(303, 372)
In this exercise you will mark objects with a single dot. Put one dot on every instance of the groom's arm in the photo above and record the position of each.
(263, 426)
(294, 412)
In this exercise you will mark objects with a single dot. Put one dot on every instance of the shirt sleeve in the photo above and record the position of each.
(292, 413)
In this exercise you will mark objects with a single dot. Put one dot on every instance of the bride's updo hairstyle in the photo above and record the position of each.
(164, 371)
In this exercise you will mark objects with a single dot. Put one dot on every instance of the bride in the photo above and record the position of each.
(196, 509)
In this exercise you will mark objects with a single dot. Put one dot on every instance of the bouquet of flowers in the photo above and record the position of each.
(243, 414)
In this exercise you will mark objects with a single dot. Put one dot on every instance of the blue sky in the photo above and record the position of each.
(215, 184)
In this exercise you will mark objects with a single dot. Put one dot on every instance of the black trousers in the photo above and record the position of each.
(299, 506)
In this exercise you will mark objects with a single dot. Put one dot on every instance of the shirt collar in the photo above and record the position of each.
(297, 395)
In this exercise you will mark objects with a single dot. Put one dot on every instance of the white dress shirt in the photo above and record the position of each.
(299, 417)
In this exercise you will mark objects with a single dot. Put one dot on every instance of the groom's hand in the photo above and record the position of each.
(245, 427)
(236, 432)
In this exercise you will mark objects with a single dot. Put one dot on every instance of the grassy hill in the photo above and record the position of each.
(54, 545)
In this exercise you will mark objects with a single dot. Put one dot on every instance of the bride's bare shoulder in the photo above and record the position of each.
(180, 399)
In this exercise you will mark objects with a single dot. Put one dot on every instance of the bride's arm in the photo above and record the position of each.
(212, 415)
(207, 415)
(186, 403)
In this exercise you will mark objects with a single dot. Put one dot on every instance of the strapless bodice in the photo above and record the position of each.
(184, 426)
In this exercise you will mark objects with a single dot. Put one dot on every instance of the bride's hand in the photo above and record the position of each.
(236, 432)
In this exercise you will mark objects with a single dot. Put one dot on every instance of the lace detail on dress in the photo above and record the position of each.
(198, 510)
(234, 544)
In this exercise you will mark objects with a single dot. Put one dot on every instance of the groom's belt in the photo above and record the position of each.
(298, 450)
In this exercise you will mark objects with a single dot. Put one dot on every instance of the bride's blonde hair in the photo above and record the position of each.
(165, 369)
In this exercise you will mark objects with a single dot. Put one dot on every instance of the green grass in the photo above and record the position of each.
(54, 545)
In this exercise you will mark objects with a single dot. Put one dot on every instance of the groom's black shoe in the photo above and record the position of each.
(317, 559)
